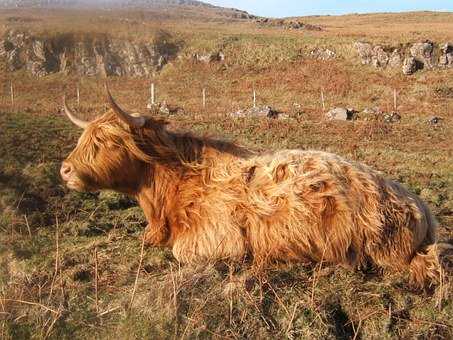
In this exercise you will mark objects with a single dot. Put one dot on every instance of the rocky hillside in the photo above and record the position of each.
(85, 54)
(127, 4)
(99, 3)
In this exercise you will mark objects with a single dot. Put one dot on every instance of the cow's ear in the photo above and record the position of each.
(134, 120)
(79, 122)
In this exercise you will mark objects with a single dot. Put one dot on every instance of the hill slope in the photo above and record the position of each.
(128, 5)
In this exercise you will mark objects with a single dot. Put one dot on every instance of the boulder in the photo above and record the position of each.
(164, 108)
(395, 59)
(371, 113)
(446, 57)
(259, 111)
(14, 61)
(410, 66)
(392, 117)
(39, 50)
(340, 113)
(380, 58)
(365, 51)
(434, 120)
(423, 54)
(64, 62)
(5, 47)
(210, 57)
(323, 54)
(37, 68)
(373, 55)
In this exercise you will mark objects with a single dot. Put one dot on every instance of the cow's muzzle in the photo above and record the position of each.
(66, 171)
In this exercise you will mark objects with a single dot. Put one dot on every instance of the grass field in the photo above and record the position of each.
(52, 284)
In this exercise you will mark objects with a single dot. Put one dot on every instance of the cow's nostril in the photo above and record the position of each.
(65, 171)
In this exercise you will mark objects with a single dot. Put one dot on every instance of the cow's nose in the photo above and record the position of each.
(66, 171)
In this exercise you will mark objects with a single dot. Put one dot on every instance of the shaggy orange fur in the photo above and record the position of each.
(211, 200)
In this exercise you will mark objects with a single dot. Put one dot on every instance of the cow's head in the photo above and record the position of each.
(110, 153)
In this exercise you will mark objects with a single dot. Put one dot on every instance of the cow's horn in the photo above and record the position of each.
(80, 123)
(133, 121)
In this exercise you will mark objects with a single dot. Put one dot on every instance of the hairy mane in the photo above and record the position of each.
(155, 143)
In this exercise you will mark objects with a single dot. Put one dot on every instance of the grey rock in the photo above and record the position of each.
(380, 58)
(39, 50)
(39, 59)
(446, 58)
(372, 111)
(64, 63)
(410, 66)
(323, 54)
(161, 62)
(372, 55)
(14, 61)
(340, 113)
(392, 117)
(395, 59)
(434, 120)
(365, 51)
(210, 57)
(5, 47)
(259, 111)
(164, 108)
(376, 114)
(423, 54)
(371, 114)
(17, 38)
(37, 68)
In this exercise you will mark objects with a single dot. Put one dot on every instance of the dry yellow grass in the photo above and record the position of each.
(389, 27)
(216, 302)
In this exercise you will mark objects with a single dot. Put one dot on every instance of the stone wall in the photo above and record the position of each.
(422, 55)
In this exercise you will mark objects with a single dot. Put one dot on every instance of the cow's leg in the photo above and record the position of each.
(156, 234)
(430, 264)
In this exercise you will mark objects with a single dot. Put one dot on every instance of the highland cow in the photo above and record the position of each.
(212, 200)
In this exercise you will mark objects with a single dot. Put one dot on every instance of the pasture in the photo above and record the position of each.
(71, 264)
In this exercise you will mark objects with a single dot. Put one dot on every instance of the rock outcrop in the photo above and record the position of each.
(409, 58)
(86, 55)
(287, 24)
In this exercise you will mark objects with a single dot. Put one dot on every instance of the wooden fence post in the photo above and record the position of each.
(323, 100)
(153, 98)
(395, 103)
(204, 98)
(12, 94)
(78, 95)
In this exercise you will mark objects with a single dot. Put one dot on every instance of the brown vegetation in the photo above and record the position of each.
(45, 292)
